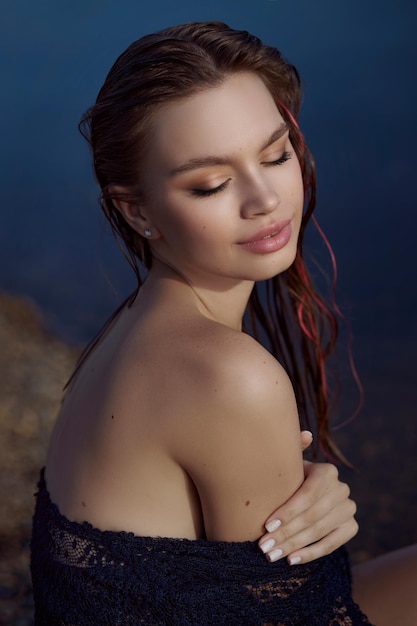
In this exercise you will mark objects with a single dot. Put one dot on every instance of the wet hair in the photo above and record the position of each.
(285, 313)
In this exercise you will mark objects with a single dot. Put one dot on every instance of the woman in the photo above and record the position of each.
(179, 433)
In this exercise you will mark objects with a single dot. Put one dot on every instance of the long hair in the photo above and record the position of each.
(285, 312)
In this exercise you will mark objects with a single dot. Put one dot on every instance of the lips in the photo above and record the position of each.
(267, 232)
(270, 238)
(271, 235)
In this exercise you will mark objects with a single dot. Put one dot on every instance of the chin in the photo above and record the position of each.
(271, 269)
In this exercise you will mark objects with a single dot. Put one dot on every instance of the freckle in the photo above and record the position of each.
(112, 417)
(83, 503)
(247, 503)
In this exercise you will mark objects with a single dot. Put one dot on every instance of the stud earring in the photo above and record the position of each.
(148, 232)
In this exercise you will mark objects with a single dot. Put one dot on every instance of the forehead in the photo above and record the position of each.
(226, 119)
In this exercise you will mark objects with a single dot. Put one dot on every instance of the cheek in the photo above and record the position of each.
(181, 221)
(297, 185)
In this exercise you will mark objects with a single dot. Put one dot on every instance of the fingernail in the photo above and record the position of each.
(267, 545)
(275, 555)
(272, 525)
(293, 560)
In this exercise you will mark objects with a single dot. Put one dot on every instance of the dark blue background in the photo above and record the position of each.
(359, 68)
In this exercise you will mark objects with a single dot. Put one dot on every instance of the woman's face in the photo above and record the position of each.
(224, 188)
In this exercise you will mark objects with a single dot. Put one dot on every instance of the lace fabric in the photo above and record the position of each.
(85, 576)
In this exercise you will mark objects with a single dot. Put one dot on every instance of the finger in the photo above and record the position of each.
(325, 546)
(300, 545)
(312, 527)
(326, 472)
(322, 517)
(321, 485)
(290, 541)
(306, 439)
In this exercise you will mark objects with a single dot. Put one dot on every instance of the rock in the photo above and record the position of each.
(34, 367)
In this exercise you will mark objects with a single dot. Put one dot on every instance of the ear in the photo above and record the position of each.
(134, 213)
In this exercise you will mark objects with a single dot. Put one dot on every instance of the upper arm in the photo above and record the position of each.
(242, 445)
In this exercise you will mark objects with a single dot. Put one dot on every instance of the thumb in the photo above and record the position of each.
(306, 439)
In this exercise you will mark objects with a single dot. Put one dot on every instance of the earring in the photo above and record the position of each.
(148, 232)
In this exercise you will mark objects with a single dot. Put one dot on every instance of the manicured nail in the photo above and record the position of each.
(273, 525)
(293, 560)
(267, 545)
(275, 555)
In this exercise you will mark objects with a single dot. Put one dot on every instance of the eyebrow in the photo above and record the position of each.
(208, 161)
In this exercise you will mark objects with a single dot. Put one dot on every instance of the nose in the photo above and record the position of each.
(258, 197)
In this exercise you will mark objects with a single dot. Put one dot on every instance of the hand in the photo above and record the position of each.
(315, 521)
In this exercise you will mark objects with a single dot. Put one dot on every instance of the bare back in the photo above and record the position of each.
(158, 432)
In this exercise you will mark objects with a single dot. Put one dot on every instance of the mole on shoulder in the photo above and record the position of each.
(247, 503)
(83, 503)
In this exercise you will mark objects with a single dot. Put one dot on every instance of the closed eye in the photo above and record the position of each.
(204, 193)
(282, 159)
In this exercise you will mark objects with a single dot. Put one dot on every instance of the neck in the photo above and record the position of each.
(226, 305)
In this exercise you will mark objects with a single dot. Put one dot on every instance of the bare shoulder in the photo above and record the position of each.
(239, 439)
(231, 368)
(198, 361)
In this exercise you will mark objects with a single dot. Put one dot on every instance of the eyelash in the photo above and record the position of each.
(205, 193)
(286, 156)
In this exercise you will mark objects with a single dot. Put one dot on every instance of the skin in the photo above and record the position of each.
(321, 505)
(224, 399)
(385, 588)
(178, 423)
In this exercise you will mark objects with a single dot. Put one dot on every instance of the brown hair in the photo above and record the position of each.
(285, 311)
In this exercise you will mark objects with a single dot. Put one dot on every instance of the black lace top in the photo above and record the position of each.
(83, 576)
